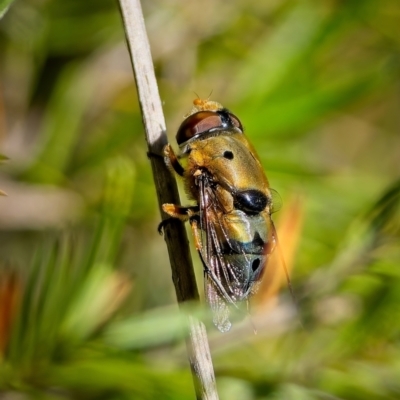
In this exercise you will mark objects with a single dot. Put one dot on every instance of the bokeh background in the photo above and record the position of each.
(87, 305)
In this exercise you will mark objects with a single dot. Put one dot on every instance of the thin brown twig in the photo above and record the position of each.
(167, 192)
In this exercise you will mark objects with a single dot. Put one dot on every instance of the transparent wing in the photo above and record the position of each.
(276, 201)
(232, 266)
(211, 256)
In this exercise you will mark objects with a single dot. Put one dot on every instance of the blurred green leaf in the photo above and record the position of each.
(4, 6)
(153, 328)
(98, 297)
(118, 375)
(274, 55)
(61, 125)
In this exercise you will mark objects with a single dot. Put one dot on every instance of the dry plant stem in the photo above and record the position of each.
(167, 192)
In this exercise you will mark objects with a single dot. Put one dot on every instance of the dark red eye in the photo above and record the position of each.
(196, 124)
(235, 121)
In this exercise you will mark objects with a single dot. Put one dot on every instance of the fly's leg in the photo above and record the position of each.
(194, 224)
(177, 212)
(172, 160)
(182, 213)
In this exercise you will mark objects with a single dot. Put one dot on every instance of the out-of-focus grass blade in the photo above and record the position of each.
(99, 296)
(121, 375)
(69, 299)
(117, 200)
(278, 51)
(377, 229)
(91, 29)
(274, 101)
(110, 138)
(384, 215)
(366, 272)
(10, 293)
(25, 334)
(58, 290)
(290, 116)
(61, 125)
(150, 329)
(4, 6)
(3, 159)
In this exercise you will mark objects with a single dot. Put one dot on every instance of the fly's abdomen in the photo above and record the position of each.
(245, 241)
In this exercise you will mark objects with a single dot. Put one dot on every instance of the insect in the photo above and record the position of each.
(231, 220)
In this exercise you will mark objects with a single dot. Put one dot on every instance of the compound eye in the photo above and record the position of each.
(196, 124)
(235, 121)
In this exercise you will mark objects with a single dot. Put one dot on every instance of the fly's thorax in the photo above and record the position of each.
(231, 161)
(232, 166)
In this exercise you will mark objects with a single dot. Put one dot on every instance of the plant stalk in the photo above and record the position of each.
(167, 192)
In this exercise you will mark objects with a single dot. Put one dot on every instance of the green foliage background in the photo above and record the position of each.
(316, 85)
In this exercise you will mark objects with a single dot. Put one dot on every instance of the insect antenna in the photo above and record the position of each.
(208, 97)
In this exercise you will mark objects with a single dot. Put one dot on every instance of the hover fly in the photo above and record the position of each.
(231, 220)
